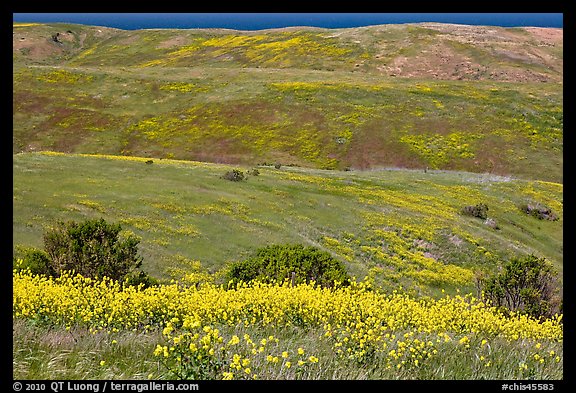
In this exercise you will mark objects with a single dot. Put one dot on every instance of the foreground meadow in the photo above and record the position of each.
(72, 327)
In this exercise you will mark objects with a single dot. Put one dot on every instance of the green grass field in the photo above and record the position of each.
(402, 226)
(52, 354)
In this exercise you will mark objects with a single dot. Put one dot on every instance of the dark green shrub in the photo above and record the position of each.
(92, 248)
(539, 211)
(480, 210)
(527, 285)
(296, 263)
(33, 259)
(234, 175)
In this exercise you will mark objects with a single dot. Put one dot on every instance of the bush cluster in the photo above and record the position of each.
(539, 211)
(480, 210)
(526, 284)
(93, 248)
(276, 263)
(234, 175)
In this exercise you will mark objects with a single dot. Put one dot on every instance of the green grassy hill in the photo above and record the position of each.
(402, 228)
(411, 96)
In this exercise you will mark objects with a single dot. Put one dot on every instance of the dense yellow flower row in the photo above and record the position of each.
(104, 304)
(164, 161)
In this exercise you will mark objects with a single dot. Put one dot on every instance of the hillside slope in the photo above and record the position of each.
(400, 227)
(425, 95)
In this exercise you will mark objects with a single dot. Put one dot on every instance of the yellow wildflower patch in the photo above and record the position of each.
(106, 304)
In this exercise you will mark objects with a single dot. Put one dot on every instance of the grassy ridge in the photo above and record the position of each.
(327, 120)
(397, 227)
(430, 50)
(291, 97)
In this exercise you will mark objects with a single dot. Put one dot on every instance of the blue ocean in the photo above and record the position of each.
(259, 21)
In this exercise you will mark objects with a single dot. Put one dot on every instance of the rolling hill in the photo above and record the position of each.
(438, 96)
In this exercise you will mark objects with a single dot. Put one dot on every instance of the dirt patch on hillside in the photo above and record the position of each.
(35, 47)
(547, 35)
(29, 102)
(173, 42)
(129, 40)
(437, 62)
(461, 52)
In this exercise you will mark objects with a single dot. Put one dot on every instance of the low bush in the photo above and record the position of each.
(234, 175)
(33, 259)
(139, 277)
(539, 211)
(526, 284)
(297, 263)
(480, 210)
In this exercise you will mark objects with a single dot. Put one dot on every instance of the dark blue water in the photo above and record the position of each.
(258, 21)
